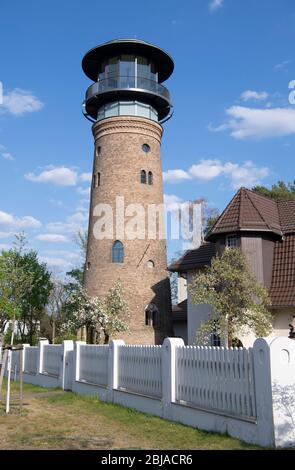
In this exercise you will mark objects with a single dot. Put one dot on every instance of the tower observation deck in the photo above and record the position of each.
(128, 76)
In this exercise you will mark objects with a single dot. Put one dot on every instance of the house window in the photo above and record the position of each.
(231, 241)
(143, 177)
(150, 177)
(152, 316)
(117, 252)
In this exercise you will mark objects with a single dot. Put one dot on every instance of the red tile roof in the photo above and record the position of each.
(282, 291)
(248, 211)
(193, 259)
(179, 311)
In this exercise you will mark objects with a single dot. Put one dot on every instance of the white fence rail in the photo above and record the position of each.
(140, 369)
(94, 364)
(52, 357)
(248, 394)
(216, 379)
(31, 359)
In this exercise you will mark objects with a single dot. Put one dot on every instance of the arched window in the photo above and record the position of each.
(117, 252)
(152, 316)
(143, 177)
(150, 177)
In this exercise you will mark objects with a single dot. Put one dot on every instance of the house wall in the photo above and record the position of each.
(180, 330)
(196, 314)
(252, 247)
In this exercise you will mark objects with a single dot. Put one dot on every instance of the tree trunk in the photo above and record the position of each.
(106, 337)
(53, 331)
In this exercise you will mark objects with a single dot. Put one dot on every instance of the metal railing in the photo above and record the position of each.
(125, 83)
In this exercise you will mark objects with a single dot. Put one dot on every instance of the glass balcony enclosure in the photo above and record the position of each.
(127, 66)
(127, 108)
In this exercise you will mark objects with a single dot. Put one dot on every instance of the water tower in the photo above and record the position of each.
(127, 104)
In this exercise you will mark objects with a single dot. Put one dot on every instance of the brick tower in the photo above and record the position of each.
(127, 104)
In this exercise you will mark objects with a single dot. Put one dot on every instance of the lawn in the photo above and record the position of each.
(52, 419)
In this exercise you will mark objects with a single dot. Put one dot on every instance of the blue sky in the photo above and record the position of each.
(232, 123)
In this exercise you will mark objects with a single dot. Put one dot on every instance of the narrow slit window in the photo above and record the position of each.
(150, 177)
(143, 177)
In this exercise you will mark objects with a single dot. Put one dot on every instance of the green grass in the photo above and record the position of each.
(159, 433)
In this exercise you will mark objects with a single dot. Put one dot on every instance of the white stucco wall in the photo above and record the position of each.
(196, 314)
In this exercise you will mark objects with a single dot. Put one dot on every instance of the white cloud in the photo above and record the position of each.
(19, 102)
(83, 191)
(246, 122)
(172, 202)
(85, 177)
(172, 176)
(251, 95)
(59, 176)
(52, 238)
(56, 262)
(72, 224)
(245, 174)
(18, 223)
(282, 65)
(7, 156)
(206, 169)
(215, 4)
(4, 246)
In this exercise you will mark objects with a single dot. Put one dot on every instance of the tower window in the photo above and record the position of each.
(150, 177)
(143, 177)
(98, 179)
(152, 316)
(94, 181)
(146, 148)
(117, 252)
(88, 265)
(231, 241)
(150, 264)
(98, 149)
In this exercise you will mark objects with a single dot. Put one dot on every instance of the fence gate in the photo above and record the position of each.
(68, 369)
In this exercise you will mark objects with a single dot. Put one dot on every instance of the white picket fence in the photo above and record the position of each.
(94, 364)
(31, 360)
(217, 379)
(52, 357)
(140, 369)
(247, 393)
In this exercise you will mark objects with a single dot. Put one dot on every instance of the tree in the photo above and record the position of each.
(36, 297)
(239, 302)
(279, 191)
(106, 314)
(55, 306)
(24, 289)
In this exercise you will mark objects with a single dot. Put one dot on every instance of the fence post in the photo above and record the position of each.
(67, 346)
(41, 345)
(263, 393)
(23, 352)
(77, 359)
(282, 364)
(169, 373)
(113, 365)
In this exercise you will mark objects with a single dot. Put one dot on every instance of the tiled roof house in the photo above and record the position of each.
(265, 231)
